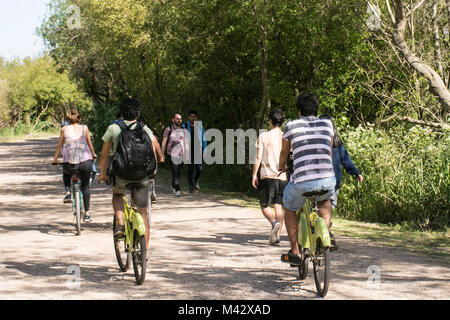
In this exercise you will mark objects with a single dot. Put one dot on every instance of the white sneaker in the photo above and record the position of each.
(178, 193)
(197, 186)
(274, 233)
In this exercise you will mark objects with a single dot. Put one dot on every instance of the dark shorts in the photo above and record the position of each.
(271, 191)
(139, 196)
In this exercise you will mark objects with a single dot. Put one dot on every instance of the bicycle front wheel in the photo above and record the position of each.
(122, 252)
(321, 265)
(139, 255)
(303, 268)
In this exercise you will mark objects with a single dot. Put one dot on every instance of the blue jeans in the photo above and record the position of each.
(198, 170)
(293, 198)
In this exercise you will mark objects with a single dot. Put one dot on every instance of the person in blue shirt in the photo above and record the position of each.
(340, 157)
(196, 132)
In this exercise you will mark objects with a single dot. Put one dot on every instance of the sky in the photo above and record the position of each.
(18, 22)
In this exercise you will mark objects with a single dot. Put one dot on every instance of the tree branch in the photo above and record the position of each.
(436, 83)
(426, 123)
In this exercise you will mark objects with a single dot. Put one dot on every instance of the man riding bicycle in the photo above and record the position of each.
(311, 140)
(130, 110)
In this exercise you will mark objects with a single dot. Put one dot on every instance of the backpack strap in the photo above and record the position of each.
(121, 125)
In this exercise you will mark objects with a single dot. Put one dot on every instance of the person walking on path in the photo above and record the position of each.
(176, 148)
(197, 145)
(271, 183)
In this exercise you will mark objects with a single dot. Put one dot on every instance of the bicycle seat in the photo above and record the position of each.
(315, 193)
(132, 186)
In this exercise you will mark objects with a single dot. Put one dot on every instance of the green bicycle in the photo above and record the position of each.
(313, 239)
(76, 199)
(132, 243)
(314, 243)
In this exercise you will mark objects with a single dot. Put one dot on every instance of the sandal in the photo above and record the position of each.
(291, 258)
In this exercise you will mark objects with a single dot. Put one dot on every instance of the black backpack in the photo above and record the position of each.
(134, 158)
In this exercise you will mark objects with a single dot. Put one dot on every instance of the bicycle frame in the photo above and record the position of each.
(133, 221)
(76, 187)
(311, 228)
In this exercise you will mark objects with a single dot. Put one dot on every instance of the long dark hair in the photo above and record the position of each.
(336, 139)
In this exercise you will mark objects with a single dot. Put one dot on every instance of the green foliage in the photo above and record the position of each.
(99, 121)
(23, 129)
(407, 177)
(33, 90)
(223, 58)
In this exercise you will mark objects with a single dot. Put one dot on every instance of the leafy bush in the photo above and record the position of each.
(99, 121)
(23, 129)
(407, 177)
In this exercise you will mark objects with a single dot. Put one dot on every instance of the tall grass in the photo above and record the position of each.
(23, 129)
(407, 178)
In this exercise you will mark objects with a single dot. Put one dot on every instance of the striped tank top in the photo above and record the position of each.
(310, 139)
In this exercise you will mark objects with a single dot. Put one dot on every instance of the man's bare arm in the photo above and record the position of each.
(285, 149)
(104, 159)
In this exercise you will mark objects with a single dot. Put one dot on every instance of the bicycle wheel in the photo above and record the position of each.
(139, 255)
(120, 247)
(303, 268)
(321, 265)
(77, 210)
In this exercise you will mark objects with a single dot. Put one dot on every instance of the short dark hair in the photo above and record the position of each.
(277, 117)
(176, 114)
(336, 139)
(119, 115)
(192, 112)
(130, 109)
(308, 104)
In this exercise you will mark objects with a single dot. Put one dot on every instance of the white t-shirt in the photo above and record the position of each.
(270, 142)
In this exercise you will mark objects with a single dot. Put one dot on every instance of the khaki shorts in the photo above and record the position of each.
(139, 196)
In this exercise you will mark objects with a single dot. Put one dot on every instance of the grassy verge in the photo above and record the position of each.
(22, 132)
(433, 244)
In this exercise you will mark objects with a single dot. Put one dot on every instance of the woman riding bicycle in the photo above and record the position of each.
(78, 155)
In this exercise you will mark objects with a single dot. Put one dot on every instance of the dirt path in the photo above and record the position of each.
(201, 248)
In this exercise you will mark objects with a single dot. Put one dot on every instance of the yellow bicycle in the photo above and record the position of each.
(132, 243)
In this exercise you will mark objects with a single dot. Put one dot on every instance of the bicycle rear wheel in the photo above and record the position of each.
(321, 266)
(122, 252)
(139, 255)
(77, 198)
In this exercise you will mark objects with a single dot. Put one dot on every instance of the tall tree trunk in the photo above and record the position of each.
(436, 83)
(265, 100)
(436, 37)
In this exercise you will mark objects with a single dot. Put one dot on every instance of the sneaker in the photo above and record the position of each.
(274, 233)
(67, 198)
(191, 189)
(87, 218)
(197, 186)
(178, 193)
(277, 243)
(291, 258)
(119, 232)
